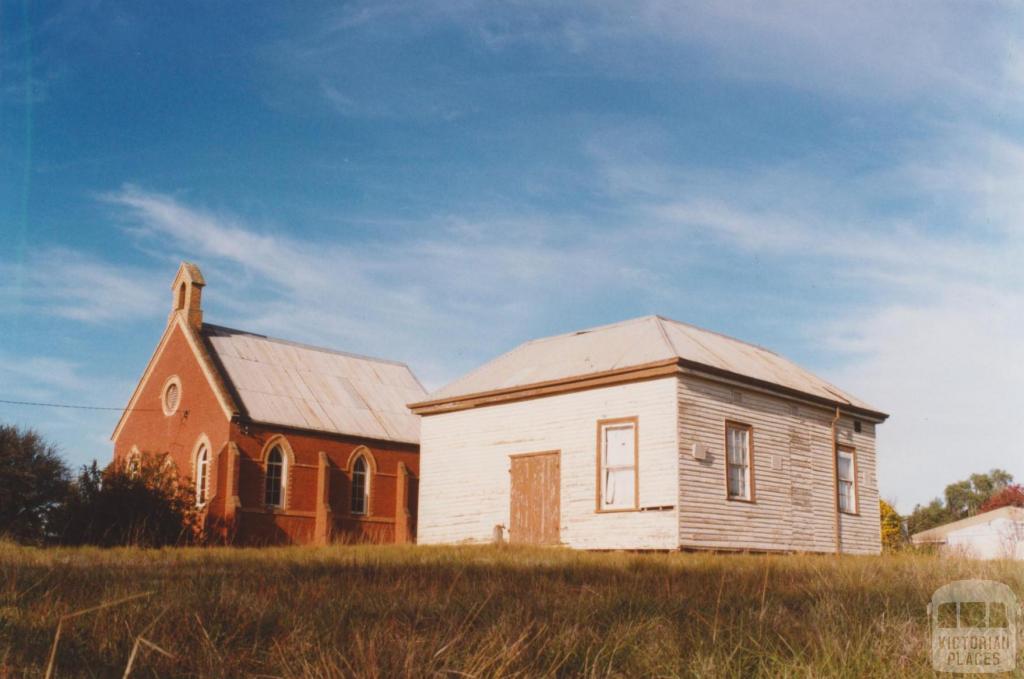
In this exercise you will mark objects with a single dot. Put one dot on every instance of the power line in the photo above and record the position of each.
(73, 407)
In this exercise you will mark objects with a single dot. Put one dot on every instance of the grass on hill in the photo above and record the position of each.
(371, 611)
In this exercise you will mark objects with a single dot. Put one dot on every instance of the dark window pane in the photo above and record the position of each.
(947, 615)
(997, 615)
(972, 614)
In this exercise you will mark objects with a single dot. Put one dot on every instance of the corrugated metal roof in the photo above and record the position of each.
(295, 385)
(634, 343)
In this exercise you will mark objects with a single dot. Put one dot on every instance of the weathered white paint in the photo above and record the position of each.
(1000, 538)
(464, 458)
(998, 534)
(464, 466)
(794, 502)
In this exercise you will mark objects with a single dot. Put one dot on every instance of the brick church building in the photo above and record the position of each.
(283, 442)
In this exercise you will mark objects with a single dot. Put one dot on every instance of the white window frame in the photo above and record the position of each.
(282, 483)
(367, 474)
(202, 467)
(851, 453)
(603, 427)
(747, 467)
(133, 463)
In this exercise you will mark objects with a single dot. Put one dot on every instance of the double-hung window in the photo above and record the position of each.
(617, 462)
(846, 479)
(739, 471)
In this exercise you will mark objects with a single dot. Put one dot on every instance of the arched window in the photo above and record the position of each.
(273, 493)
(133, 465)
(360, 486)
(202, 474)
(180, 304)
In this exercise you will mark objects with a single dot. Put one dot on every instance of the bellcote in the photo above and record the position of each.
(187, 291)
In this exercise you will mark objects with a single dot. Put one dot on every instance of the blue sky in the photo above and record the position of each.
(437, 182)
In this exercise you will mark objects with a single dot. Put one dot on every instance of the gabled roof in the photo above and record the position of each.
(939, 533)
(295, 385)
(177, 321)
(644, 344)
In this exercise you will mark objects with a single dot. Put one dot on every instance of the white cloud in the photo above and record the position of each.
(40, 376)
(933, 336)
(70, 284)
(465, 286)
(946, 52)
(950, 372)
(876, 49)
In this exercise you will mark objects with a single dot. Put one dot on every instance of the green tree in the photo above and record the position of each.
(965, 498)
(928, 516)
(33, 482)
(145, 505)
(962, 499)
(892, 528)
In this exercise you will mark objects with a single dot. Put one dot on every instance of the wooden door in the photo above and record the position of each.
(536, 491)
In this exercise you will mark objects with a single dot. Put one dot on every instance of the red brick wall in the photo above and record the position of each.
(199, 412)
(295, 522)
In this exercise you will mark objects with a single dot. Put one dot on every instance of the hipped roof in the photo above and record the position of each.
(633, 344)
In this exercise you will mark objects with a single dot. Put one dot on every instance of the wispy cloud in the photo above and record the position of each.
(466, 285)
(891, 50)
(928, 305)
(71, 284)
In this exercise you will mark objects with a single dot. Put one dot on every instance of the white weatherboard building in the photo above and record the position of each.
(998, 534)
(649, 434)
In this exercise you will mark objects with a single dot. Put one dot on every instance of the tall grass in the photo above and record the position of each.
(470, 611)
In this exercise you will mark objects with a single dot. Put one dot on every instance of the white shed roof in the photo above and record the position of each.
(639, 342)
(940, 533)
(295, 385)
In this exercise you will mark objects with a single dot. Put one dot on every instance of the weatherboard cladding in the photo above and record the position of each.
(465, 464)
(794, 498)
(294, 385)
(639, 342)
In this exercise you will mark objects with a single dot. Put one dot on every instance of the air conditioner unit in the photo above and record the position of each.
(700, 451)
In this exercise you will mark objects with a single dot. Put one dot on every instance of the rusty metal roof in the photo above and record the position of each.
(296, 385)
(639, 342)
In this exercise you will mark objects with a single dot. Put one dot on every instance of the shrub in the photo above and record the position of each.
(1011, 496)
(892, 530)
(144, 505)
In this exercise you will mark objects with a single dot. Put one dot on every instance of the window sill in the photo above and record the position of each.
(846, 513)
(617, 511)
(749, 501)
(277, 511)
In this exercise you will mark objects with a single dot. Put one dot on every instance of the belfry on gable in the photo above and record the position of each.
(187, 289)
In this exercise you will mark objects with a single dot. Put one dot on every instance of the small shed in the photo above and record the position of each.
(998, 534)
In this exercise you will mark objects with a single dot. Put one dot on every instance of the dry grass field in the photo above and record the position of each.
(468, 612)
